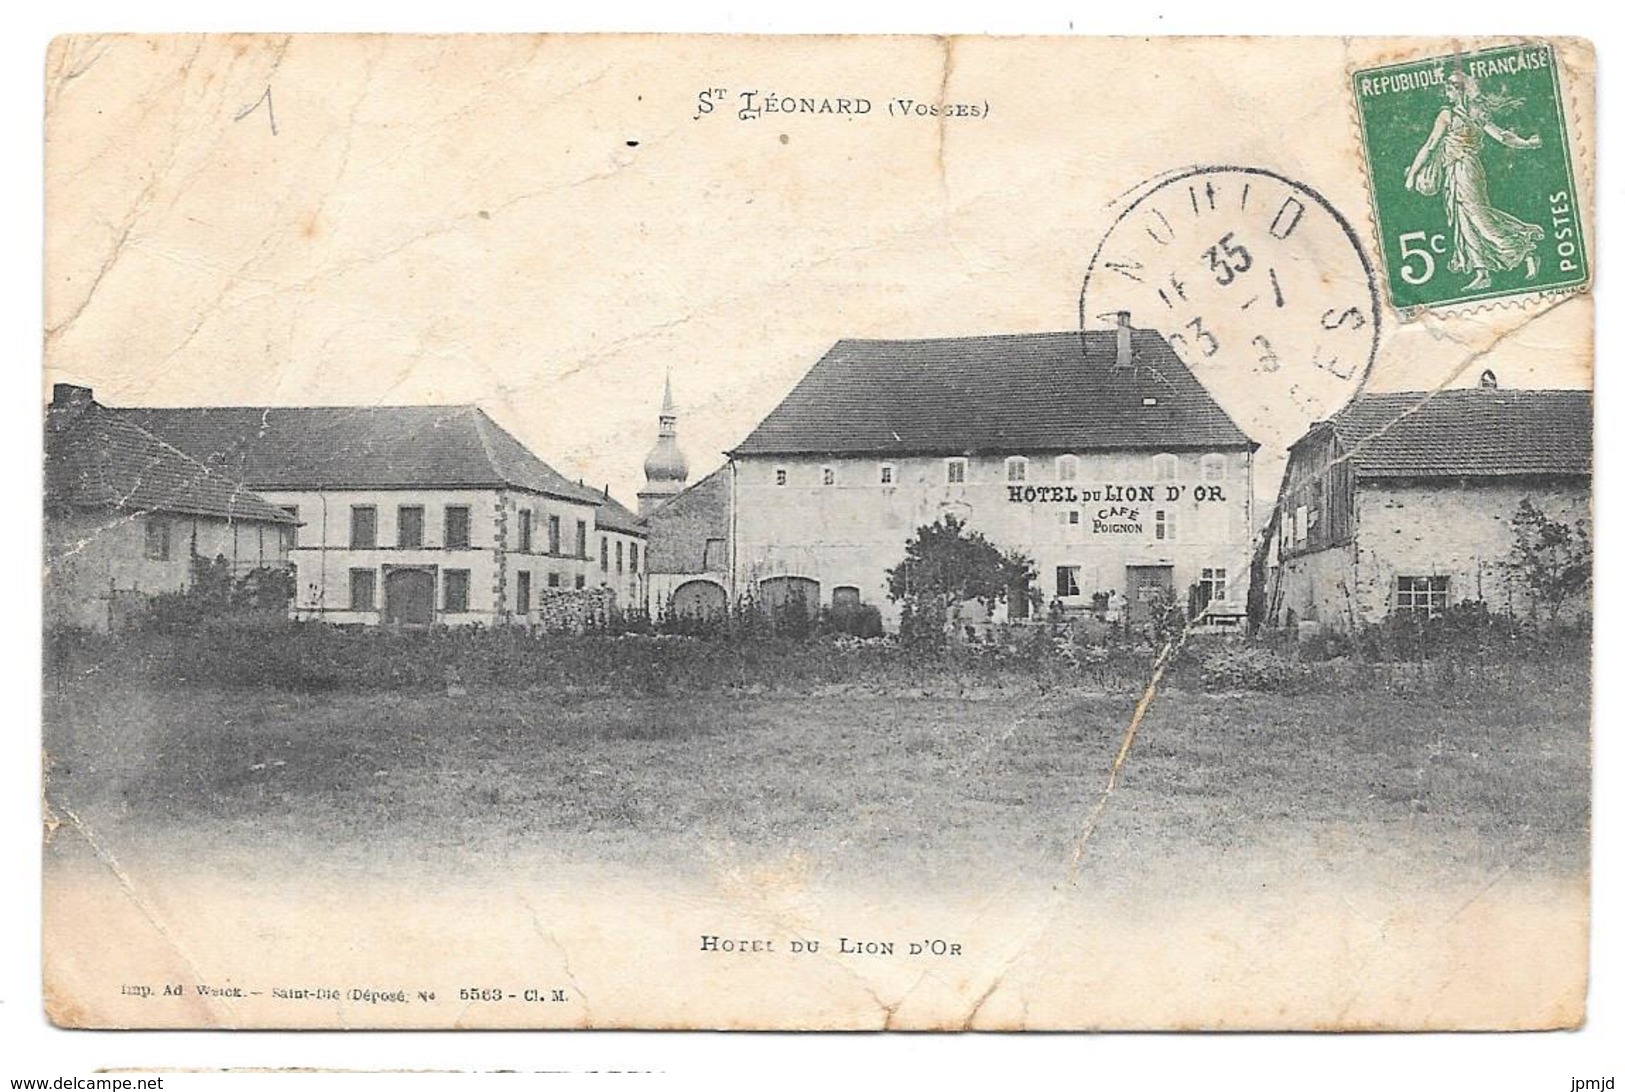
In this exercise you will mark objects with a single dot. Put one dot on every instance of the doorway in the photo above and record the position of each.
(409, 597)
(1149, 586)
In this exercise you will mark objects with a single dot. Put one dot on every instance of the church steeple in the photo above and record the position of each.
(665, 470)
(668, 411)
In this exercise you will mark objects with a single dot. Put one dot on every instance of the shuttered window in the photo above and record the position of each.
(456, 527)
(157, 538)
(456, 583)
(363, 528)
(363, 589)
(409, 527)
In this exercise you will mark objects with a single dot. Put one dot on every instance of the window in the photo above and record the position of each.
(633, 556)
(363, 589)
(620, 556)
(956, 471)
(1213, 468)
(1066, 468)
(409, 527)
(781, 476)
(553, 535)
(1015, 469)
(1074, 517)
(1165, 468)
(1300, 523)
(581, 580)
(1066, 581)
(292, 533)
(456, 581)
(1214, 585)
(603, 553)
(829, 475)
(157, 538)
(363, 528)
(1166, 525)
(552, 580)
(581, 538)
(888, 473)
(522, 591)
(1424, 595)
(456, 527)
(526, 530)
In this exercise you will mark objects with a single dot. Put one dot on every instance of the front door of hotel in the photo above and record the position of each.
(409, 597)
(1148, 587)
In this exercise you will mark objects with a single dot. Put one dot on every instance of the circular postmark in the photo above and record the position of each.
(1256, 281)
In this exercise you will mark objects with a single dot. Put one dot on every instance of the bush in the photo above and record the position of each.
(862, 620)
(1468, 628)
(213, 593)
(1253, 667)
(923, 625)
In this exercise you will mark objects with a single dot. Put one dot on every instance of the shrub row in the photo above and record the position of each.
(265, 648)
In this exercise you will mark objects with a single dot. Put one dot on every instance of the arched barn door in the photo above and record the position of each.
(699, 599)
(782, 593)
(409, 597)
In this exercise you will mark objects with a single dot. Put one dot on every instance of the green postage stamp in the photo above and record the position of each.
(1472, 179)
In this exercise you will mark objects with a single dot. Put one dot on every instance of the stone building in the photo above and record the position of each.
(688, 549)
(1097, 454)
(623, 553)
(409, 515)
(127, 516)
(1405, 502)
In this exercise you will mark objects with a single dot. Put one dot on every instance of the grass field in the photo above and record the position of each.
(862, 785)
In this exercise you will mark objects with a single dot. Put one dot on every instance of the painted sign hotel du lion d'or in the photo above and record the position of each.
(750, 533)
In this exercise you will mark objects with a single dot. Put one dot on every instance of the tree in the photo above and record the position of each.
(1552, 558)
(944, 566)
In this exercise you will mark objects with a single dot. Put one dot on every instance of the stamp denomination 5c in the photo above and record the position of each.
(1472, 177)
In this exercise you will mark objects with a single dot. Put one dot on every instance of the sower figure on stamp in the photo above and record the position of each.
(1486, 239)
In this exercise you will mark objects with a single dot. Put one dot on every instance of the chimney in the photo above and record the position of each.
(68, 404)
(1125, 335)
(68, 396)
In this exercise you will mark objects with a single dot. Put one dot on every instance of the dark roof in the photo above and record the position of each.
(681, 528)
(358, 447)
(1477, 432)
(1006, 393)
(615, 516)
(94, 458)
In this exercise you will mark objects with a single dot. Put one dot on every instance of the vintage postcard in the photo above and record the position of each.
(817, 533)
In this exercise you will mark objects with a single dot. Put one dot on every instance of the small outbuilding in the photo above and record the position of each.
(128, 516)
(1407, 501)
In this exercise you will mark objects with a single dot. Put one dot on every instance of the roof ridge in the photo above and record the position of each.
(481, 419)
(1056, 390)
(999, 335)
(576, 491)
(260, 408)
